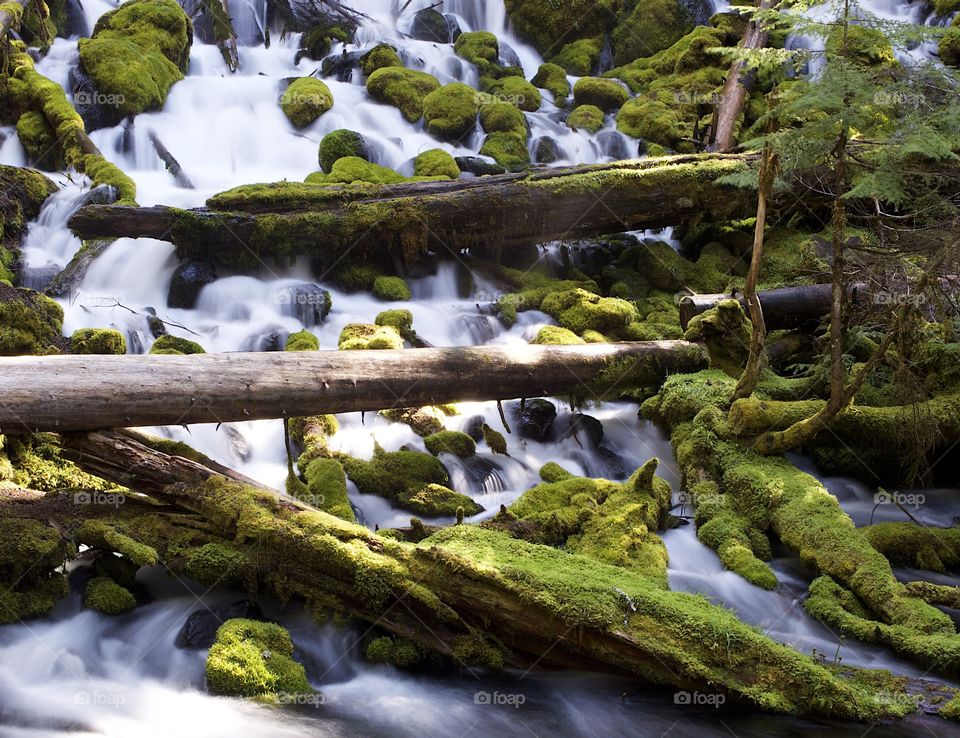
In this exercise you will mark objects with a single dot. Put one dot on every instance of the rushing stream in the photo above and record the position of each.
(79, 673)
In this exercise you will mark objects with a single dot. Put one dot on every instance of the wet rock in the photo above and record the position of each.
(188, 279)
(200, 630)
(547, 150)
(239, 446)
(271, 338)
(534, 419)
(99, 195)
(341, 65)
(67, 280)
(614, 144)
(307, 302)
(156, 326)
(474, 427)
(478, 165)
(90, 104)
(509, 57)
(616, 466)
(480, 328)
(586, 428)
(432, 25)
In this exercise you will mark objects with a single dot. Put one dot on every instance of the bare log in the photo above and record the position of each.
(170, 162)
(72, 393)
(785, 307)
(287, 219)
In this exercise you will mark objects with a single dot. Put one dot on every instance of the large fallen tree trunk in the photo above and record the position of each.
(785, 307)
(10, 15)
(69, 393)
(281, 220)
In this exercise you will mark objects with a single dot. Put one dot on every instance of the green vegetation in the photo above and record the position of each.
(391, 289)
(451, 442)
(553, 79)
(106, 596)
(30, 323)
(362, 336)
(587, 117)
(403, 88)
(509, 150)
(378, 57)
(436, 163)
(175, 345)
(451, 111)
(339, 144)
(98, 341)
(606, 94)
(305, 100)
(480, 48)
(502, 117)
(251, 659)
(302, 341)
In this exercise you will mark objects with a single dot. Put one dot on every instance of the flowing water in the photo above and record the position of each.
(78, 673)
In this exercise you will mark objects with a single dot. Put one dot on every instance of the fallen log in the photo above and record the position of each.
(286, 219)
(11, 15)
(785, 307)
(71, 393)
(170, 162)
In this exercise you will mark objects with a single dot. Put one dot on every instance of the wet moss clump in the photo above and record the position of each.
(517, 91)
(415, 481)
(921, 547)
(397, 652)
(480, 48)
(401, 319)
(548, 24)
(451, 111)
(553, 79)
(302, 341)
(327, 488)
(391, 289)
(588, 117)
(502, 117)
(553, 335)
(305, 100)
(652, 26)
(380, 56)
(495, 440)
(580, 57)
(579, 310)
(98, 341)
(30, 323)
(137, 52)
(424, 421)
(436, 163)
(251, 659)
(402, 88)
(106, 596)
(22, 194)
(451, 442)
(509, 150)
(726, 332)
(175, 345)
(338, 144)
(606, 94)
(352, 169)
(29, 553)
(363, 336)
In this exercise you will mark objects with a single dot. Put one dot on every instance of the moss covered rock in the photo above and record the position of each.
(378, 57)
(554, 335)
(29, 553)
(98, 341)
(401, 320)
(405, 89)
(579, 310)
(397, 652)
(106, 596)
(363, 336)
(480, 48)
(652, 26)
(502, 117)
(30, 323)
(137, 52)
(580, 57)
(327, 488)
(517, 91)
(587, 117)
(451, 442)
(606, 94)
(550, 24)
(494, 439)
(553, 79)
(22, 194)
(509, 150)
(339, 144)
(436, 163)
(305, 100)
(391, 289)
(352, 169)
(302, 341)
(949, 48)
(175, 345)
(451, 111)
(250, 659)
(652, 120)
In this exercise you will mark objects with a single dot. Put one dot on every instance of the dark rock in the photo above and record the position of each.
(615, 145)
(587, 429)
(474, 427)
(341, 65)
(74, 21)
(307, 302)
(480, 328)
(99, 195)
(90, 104)
(71, 276)
(432, 25)
(478, 165)
(238, 444)
(188, 279)
(547, 150)
(271, 338)
(508, 57)
(200, 630)
(534, 419)
(156, 326)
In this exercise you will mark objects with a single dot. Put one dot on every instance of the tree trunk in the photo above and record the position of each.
(9, 19)
(170, 162)
(785, 307)
(71, 393)
(245, 225)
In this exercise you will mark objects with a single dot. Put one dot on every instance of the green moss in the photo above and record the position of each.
(29, 551)
(451, 442)
(401, 319)
(137, 52)
(351, 169)
(480, 48)
(451, 111)
(587, 117)
(475, 650)
(250, 658)
(305, 100)
(553, 79)
(951, 709)
(949, 46)
(502, 117)
(216, 563)
(606, 94)
(424, 421)
(327, 488)
(30, 323)
(580, 57)
(549, 24)
(652, 120)
(102, 171)
(653, 26)
(436, 163)
(397, 652)
(302, 341)
(403, 88)
(391, 289)
(509, 150)
(552, 335)
(175, 345)
(22, 194)
(355, 276)
(579, 310)
(39, 139)
(517, 91)
(380, 56)
(495, 440)
(726, 332)
(922, 547)
(362, 336)
(98, 341)
(106, 596)
(413, 480)
(99, 534)
(339, 144)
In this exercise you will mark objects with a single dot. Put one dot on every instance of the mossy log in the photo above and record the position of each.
(282, 220)
(69, 393)
(10, 17)
(539, 606)
(785, 307)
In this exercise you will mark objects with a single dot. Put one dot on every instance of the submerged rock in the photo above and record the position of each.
(307, 302)
(432, 25)
(187, 282)
(534, 419)
(200, 630)
(478, 165)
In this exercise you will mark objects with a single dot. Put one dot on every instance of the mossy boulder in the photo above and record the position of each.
(413, 480)
(424, 421)
(606, 94)
(402, 88)
(401, 320)
(302, 341)
(451, 442)
(580, 57)
(355, 276)
(22, 194)
(305, 100)
(397, 652)
(327, 488)
(726, 332)
(553, 78)
(391, 289)
(30, 323)
(352, 169)
(380, 56)
(554, 335)
(250, 659)
(339, 144)
(580, 310)
(549, 24)
(451, 111)
(652, 120)
(436, 163)
(29, 553)
(106, 596)
(588, 117)
(494, 439)
(98, 341)
(175, 345)
(652, 26)
(517, 91)
(502, 117)
(480, 48)
(136, 54)
(363, 336)
(949, 48)
(509, 150)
